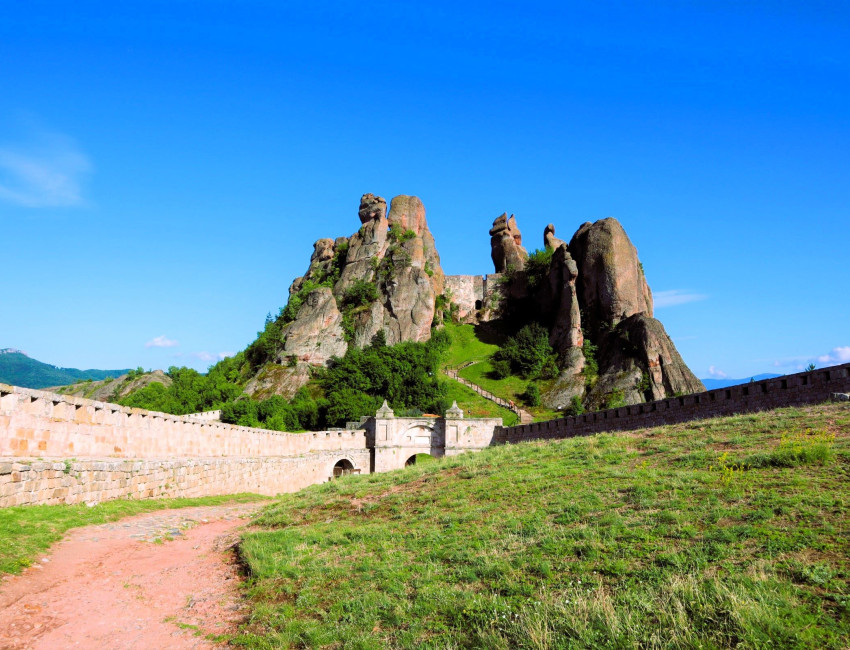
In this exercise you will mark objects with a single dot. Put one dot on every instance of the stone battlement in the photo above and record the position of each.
(36, 423)
(808, 387)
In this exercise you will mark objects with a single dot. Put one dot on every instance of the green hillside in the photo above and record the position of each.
(18, 369)
(721, 533)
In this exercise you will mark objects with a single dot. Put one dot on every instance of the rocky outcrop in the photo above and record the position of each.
(638, 359)
(565, 334)
(549, 239)
(506, 245)
(611, 283)
(595, 287)
(385, 277)
(407, 275)
(316, 334)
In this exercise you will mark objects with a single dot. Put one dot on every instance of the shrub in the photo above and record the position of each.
(526, 354)
(615, 399)
(591, 365)
(576, 406)
(361, 293)
(537, 268)
(531, 396)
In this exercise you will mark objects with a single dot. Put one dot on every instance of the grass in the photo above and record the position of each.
(475, 406)
(28, 531)
(509, 388)
(642, 539)
(466, 346)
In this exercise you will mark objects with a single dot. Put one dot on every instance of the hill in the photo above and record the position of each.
(568, 328)
(115, 389)
(728, 532)
(18, 369)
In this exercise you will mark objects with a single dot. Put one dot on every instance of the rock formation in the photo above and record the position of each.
(611, 283)
(595, 287)
(385, 277)
(549, 239)
(638, 358)
(506, 245)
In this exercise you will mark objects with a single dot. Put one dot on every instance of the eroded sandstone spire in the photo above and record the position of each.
(506, 245)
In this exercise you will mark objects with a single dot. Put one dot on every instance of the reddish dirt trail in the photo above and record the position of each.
(112, 586)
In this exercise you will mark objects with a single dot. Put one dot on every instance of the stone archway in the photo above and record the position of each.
(344, 467)
(410, 462)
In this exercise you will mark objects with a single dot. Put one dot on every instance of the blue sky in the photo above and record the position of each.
(166, 166)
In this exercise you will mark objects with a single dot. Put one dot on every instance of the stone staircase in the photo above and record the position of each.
(452, 373)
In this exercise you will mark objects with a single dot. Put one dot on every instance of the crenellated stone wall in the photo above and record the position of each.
(802, 388)
(60, 449)
(36, 423)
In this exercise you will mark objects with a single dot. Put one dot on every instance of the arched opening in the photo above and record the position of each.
(478, 304)
(418, 458)
(344, 467)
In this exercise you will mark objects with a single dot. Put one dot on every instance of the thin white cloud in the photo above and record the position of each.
(675, 297)
(161, 342)
(716, 373)
(837, 355)
(840, 354)
(49, 170)
(209, 356)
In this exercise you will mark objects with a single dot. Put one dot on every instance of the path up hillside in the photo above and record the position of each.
(718, 533)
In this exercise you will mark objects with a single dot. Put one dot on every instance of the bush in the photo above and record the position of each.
(361, 293)
(404, 374)
(591, 365)
(537, 268)
(528, 354)
(531, 396)
(575, 408)
(615, 399)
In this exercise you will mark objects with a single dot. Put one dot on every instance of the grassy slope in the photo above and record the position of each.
(27, 531)
(467, 347)
(643, 539)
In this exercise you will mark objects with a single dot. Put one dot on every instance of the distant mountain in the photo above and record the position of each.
(711, 384)
(18, 369)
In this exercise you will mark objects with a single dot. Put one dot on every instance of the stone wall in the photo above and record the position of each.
(92, 481)
(395, 439)
(36, 423)
(65, 449)
(473, 294)
(802, 388)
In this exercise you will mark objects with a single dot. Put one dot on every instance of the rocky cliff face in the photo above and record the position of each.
(595, 287)
(611, 282)
(506, 245)
(385, 277)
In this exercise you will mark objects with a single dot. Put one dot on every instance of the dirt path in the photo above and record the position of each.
(165, 579)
